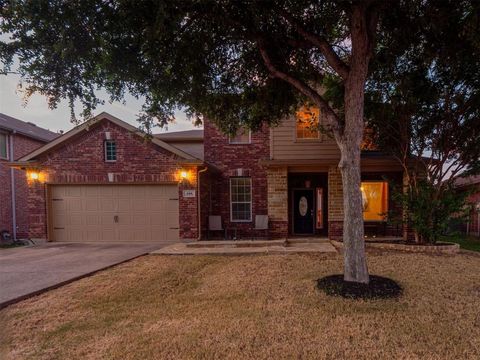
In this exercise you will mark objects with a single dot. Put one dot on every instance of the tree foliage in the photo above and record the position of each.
(201, 56)
(423, 101)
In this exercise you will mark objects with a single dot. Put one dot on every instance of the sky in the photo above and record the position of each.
(38, 112)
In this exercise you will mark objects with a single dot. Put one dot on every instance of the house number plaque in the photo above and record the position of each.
(188, 193)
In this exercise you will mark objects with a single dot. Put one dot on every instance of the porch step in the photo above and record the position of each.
(235, 243)
(307, 240)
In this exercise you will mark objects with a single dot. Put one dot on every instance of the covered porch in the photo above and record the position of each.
(305, 198)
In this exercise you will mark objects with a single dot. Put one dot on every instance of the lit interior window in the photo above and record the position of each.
(307, 123)
(375, 200)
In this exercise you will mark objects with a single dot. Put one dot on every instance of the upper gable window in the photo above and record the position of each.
(243, 136)
(3, 146)
(110, 151)
(307, 120)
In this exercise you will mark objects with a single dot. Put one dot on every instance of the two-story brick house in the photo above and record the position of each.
(290, 173)
(17, 138)
(106, 181)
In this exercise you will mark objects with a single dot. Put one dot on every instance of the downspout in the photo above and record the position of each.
(199, 210)
(12, 186)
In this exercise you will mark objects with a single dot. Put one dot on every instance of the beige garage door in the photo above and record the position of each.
(114, 213)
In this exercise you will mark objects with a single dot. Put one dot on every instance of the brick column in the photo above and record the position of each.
(188, 207)
(277, 179)
(37, 210)
(335, 204)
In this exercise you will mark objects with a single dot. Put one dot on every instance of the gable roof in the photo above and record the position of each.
(28, 129)
(87, 124)
(187, 135)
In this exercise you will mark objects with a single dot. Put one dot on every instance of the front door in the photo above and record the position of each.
(303, 211)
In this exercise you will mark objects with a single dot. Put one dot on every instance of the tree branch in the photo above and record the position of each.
(321, 43)
(373, 15)
(330, 115)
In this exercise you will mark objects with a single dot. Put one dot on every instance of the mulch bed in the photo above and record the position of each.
(378, 288)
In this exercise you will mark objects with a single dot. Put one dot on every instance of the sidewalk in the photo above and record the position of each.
(247, 247)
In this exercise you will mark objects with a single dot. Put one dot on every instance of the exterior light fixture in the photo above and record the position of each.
(34, 175)
(183, 175)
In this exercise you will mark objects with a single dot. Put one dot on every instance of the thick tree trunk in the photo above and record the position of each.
(350, 147)
(353, 231)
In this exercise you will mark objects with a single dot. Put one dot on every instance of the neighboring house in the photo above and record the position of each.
(17, 138)
(105, 180)
(472, 185)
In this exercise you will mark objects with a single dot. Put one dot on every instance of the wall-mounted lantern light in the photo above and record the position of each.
(34, 175)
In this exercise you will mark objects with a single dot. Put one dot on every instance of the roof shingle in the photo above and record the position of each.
(25, 128)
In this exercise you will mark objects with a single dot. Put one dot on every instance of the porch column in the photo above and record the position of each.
(335, 203)
(277, 179)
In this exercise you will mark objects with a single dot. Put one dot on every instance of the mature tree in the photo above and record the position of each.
(424, 103)
(239, 63)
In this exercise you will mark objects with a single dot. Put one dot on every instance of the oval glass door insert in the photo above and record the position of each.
(303, 206)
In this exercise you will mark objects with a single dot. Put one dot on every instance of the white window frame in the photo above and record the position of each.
(105, 150)
(231, 142)
(243, 202)
(7, 142)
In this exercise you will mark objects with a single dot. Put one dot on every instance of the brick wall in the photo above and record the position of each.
(228, 158)
(81, 160)
(22, 145)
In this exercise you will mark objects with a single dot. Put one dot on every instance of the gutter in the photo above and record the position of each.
(12, 186)
(199, 210)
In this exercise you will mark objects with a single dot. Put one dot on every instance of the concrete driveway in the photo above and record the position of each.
(27, 271)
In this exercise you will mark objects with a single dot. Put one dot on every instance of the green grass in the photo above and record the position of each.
(465, 242)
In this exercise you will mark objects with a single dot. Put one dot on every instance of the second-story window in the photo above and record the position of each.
(110, 151)
(307, 120)
(3, 146)
(243, 136)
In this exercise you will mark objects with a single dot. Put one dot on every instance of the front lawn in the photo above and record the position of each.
(465, 242)
(258, 307)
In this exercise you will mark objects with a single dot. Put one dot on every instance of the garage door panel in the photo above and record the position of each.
(171, 218)
(157, 205)
(72, 191)
(140, 204)
(171, 235)
(73, 204)
(92, 220)
(87, 213)
(76, 219)
(106, 204)
(140, 220)
(124, 205)
(91, 204)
